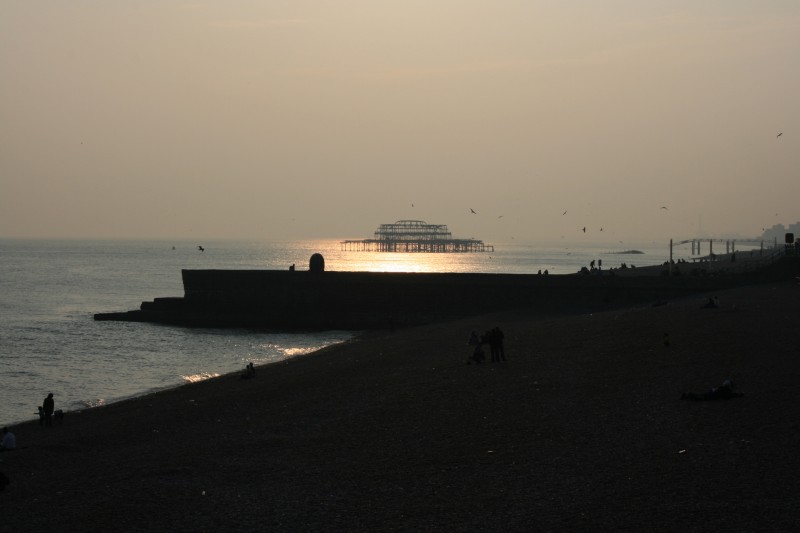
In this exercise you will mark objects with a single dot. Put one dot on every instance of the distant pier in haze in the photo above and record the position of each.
(415, 236)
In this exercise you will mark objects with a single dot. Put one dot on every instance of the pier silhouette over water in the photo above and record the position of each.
(415, 236)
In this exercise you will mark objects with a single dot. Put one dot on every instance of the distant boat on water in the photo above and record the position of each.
(415, 236)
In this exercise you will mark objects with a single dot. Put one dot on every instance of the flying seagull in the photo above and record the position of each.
(473, 211)
(781, 133)
(664, 207)
(201, 248)
(564, 213)
(584, 229)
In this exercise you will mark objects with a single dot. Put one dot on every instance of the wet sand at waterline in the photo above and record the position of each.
(581, 428)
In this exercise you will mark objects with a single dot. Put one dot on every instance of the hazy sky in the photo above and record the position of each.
(322, 118)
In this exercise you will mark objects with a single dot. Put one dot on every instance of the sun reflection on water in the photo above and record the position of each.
(291, 352)
(202, 376)
(507, 258)
(410, 262)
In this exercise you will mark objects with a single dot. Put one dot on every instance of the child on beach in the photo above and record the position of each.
(477, 353)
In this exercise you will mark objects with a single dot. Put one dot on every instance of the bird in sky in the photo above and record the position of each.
(564, 213)
(664, 207)
(473, 211)
(781, 133)
(201, 248)
(584, 229)
(501, 216)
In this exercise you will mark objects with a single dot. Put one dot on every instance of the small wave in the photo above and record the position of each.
(202, 376)
(291, 352)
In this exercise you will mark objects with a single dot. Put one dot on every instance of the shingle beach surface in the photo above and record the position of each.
(582, 428)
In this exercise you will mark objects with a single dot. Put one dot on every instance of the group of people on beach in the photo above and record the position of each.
(8, 441)
(494, 338)
(249, 371)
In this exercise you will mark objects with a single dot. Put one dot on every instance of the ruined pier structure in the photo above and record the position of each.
(415, 236)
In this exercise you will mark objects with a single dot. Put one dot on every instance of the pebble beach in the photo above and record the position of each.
(582, 428)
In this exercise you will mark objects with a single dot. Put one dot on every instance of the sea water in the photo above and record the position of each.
(49, 291)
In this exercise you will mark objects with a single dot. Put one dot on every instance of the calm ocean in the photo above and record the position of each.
(49, 341)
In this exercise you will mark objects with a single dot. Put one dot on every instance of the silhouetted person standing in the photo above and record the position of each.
(491, 338)
(49, 406)
(501, 350)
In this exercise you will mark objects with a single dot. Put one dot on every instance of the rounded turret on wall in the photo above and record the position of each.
(316, 263)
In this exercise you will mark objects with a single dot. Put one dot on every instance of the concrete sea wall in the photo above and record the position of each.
(274, 299)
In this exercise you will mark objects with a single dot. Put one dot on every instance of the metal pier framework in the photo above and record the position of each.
(415, 236)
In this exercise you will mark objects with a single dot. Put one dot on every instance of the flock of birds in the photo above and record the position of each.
(471, 210)
(663, 207)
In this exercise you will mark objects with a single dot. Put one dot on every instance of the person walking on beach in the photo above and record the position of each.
(495, 337)
(491, 336)
(49, 405)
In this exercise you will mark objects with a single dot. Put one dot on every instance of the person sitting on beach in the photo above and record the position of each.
(9, 441)
(723, 392)
(249, 371)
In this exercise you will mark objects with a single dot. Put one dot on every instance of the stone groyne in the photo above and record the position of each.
(308, 300)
